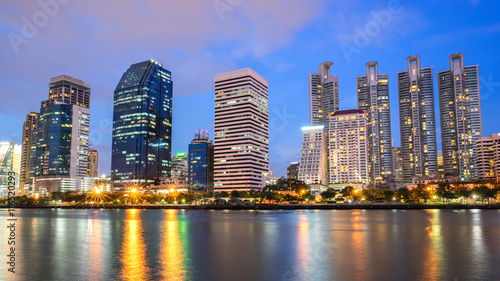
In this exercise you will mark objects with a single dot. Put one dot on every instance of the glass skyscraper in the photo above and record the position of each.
(60, 142)
(201, 163)
(142, 124)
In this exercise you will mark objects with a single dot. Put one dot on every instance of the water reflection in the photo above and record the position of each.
(171, 252)
(433, 261)
(132, 255)
(358, 244)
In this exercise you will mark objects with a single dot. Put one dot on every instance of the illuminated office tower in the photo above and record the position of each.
(323, 95)
(397, 163)
(29, 128)
(241, 145)
(292, 172)
(201, 163)
(460, 111)
(488, 157)
(373, 98)
(312, 168)
(347, 144)
(142, 125)
(440, 164)
(417, 121)
(60, 142)
(93, 163)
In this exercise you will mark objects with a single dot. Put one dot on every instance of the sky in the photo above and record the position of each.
(283, 40)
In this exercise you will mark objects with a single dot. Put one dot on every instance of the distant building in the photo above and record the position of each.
(241, 140)
(373, 98)
(180, 166)
(29, 128)
(312, 169)
(488, 157)
(461, 125)
(10, 161)
(60, 142)
(397, 163)
(93, 163)
(201, 163)
(347, 143)
(417, 121)
(292, 172)
(142, 125)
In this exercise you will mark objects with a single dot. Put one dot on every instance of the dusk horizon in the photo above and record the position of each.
(281, 45)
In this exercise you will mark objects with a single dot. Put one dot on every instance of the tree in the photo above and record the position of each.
(403, 194)
(328, 194)
(235, 194)
(444, 191)
(461, 191)
(388, 195)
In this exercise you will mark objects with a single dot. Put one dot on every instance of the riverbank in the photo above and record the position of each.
(366, 206)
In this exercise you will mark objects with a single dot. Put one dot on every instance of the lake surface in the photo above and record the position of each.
(57, 244)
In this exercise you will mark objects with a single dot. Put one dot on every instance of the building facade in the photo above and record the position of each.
(241, 140)
(488, 157)
(29, 127)
(417, 121)
(292, 172)
(60, 143)
(142, 125)
(201, 163)
(180, 166)
(373, 98)
(347, 144)
(93, 163)
(460, 111)
(397, 163)
(10, 162)
(312, 169)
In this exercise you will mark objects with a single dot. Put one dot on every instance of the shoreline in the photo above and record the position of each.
(351, 206)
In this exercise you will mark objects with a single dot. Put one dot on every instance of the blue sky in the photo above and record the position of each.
(283, 40)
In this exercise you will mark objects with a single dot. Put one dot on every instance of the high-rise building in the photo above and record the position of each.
(323, 99)
(241, 149)
(397, 163)
(60, 143)
(323, 95)
(488, 157)
(10, 161)
(201, 163)
(292, 172)
(142, 125)
(417, 121)
(312, 169)
(347, 144)
(93, 163)
(29, 128)
(373, 98)
(460, 111)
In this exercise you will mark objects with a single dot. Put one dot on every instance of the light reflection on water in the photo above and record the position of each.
(132, 256)
(228, 245)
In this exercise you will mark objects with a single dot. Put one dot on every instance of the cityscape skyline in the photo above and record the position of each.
(193, 104)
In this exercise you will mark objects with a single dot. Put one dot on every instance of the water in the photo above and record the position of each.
(56, 244)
